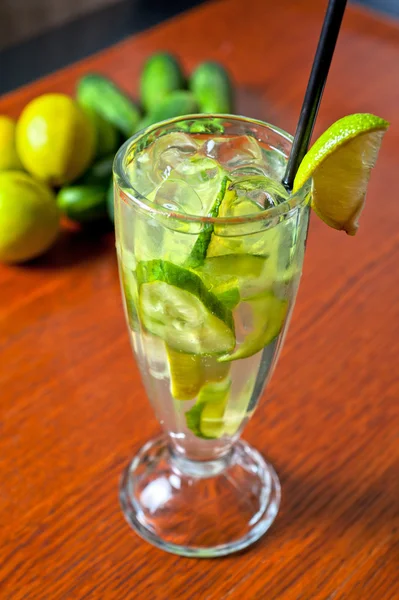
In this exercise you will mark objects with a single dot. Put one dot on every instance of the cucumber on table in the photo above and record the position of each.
(212, 88)
(175, 104)
(100, 94)
(144, 123)
(107, 137)
(83, 203)
(161, 75)
(110, 200)
(99, 172)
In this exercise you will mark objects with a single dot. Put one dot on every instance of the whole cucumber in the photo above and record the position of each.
(144, 123)
(100, 94)
(212, 88)
(83, 203)
(110, 200)
(175, 104)
(161, 75)
(107, 137)
(99, 173)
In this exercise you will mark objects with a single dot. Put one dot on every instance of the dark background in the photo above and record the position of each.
(41, 36)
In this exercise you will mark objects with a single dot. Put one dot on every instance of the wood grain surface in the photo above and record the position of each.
(72, 407)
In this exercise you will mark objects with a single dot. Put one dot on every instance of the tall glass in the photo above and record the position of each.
(205, 351)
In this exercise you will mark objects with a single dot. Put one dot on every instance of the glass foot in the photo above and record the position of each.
(199, 509)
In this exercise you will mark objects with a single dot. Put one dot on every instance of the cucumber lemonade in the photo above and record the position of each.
(210, 250)
(209, 267)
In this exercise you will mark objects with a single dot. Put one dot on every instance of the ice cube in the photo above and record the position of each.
(155, 356)
(197, 170)
(141, 175)
(247, 171)
(170, 150)
(262, 190)
(204, 176)
(155, 163)
(274, 163)
(178, 196)
(233, 152)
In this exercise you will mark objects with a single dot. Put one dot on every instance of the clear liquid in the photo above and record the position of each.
(183, 173)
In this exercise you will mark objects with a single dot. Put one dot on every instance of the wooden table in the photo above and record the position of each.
(72, 405)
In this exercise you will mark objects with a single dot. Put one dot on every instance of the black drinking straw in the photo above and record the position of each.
(314, 91)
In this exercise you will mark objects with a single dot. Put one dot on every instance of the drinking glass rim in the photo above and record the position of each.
(285, 209)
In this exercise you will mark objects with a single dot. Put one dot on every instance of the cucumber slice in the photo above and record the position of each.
(193, 420)
(269, 313)
(212, 416)
(198, 253)
(205, 418)
(175, 305)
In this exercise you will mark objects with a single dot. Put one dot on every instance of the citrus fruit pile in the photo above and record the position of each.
(57, 158)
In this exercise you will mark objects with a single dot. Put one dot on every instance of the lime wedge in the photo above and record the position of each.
(211, 421)
(215, 392)
(228, 292)
(214, 397)
(129, 289)
(237, 411)
(268, 315)
(186, 374)
(189, 373)
(245, 271)
(175, 305)
(340, 163)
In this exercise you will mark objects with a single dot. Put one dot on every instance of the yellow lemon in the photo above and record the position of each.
(55, 139)
(29, 218)
(8, 153)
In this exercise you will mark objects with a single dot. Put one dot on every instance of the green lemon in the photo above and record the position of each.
(8, 154)
(55, 139)
(29, 219)
(340, 163)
